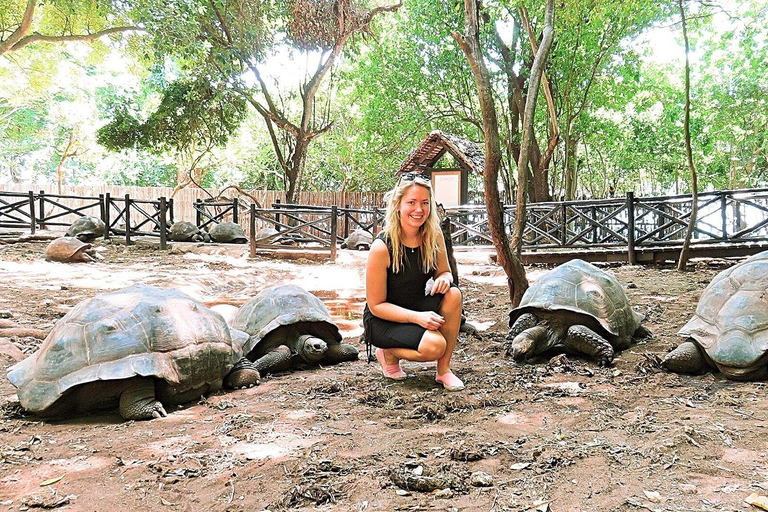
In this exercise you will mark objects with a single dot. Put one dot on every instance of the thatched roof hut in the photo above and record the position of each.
(450, 184)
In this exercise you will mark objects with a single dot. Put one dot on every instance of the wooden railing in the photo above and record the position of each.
(629, 225)
(732, 217)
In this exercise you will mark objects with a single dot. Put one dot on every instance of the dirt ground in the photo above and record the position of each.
(559, 435)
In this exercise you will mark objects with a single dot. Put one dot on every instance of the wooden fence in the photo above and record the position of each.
(729, 222)
(184, 199)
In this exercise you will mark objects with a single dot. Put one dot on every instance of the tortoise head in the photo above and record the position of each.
(311, 349)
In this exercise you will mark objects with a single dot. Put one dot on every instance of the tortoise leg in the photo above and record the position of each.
(687, 358)
(243, 375)
(581, 338)
(137, 401)
(468, 328)
(523, 323)
(340, 353)
(642, 333)
(276, 360)
(527, 344)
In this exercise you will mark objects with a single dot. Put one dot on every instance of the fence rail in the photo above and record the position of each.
(630, 225)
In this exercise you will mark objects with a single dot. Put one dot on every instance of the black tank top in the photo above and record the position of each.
(406, 288)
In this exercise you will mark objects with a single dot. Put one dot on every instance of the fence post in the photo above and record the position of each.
(593, 211)
(277, 215)
(234, 210)
(163, 223)
(564, 232)
(198, 216)
(105, 217)
(127, 220)
(101, 207)
(32, 222)
(41, 208)
(631, 256)
(170, 210)
(334, 227)
(346, 221)
(252, 234)
(723, 206)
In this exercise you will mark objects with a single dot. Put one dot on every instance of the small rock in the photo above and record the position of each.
(480, 479)
(444, 494)
(6, 313)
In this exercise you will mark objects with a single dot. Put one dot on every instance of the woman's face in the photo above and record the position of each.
(414, 206)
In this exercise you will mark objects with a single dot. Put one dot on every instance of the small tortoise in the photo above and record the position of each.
(577, 307)
(137, 349)
(87, 228)
(729, 331)
(185, 231)
(228, 233)
(269, 235)
(359, 239)
(290, 327)
(68, 249)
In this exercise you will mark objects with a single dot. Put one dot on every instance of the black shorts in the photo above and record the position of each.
(385, 334)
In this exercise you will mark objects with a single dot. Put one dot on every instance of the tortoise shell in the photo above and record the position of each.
(87, 228)
(184, 231)
(282, 306)
(228, 232)
(580, 288)
(359, 239)
(731, 319)
(139, 331)
(69, 249)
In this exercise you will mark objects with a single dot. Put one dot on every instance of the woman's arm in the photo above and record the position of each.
(443, 276)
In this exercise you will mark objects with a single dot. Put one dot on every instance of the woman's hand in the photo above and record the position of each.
(442, 284)
(427, 319)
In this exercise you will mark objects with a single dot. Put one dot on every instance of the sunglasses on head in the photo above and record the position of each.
(414, 176)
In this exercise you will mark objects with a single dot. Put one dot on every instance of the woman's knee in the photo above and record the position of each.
(432, 346)
(451, 301)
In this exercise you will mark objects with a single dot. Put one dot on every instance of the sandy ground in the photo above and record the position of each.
(558, 435)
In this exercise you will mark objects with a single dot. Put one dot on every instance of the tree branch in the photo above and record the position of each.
(87, 38)
(26, 22)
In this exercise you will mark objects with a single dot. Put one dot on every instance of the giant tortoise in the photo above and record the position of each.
(228, 233)
(359, 239)
(87, 228)
(139, 349)
(729, 331)
(576, 307)
(290, 327)
(185, 231)
(68, 249)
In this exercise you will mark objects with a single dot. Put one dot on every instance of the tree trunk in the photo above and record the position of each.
(470, 44)
(571, 145)
(683, 260)
(537, 70)
(295, 173)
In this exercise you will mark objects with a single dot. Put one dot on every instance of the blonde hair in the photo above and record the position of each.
(430, 231)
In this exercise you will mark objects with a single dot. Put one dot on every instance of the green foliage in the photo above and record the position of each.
(624, 104)
(143, 173)
(412, 81)
(123, 132)
(193, 114)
